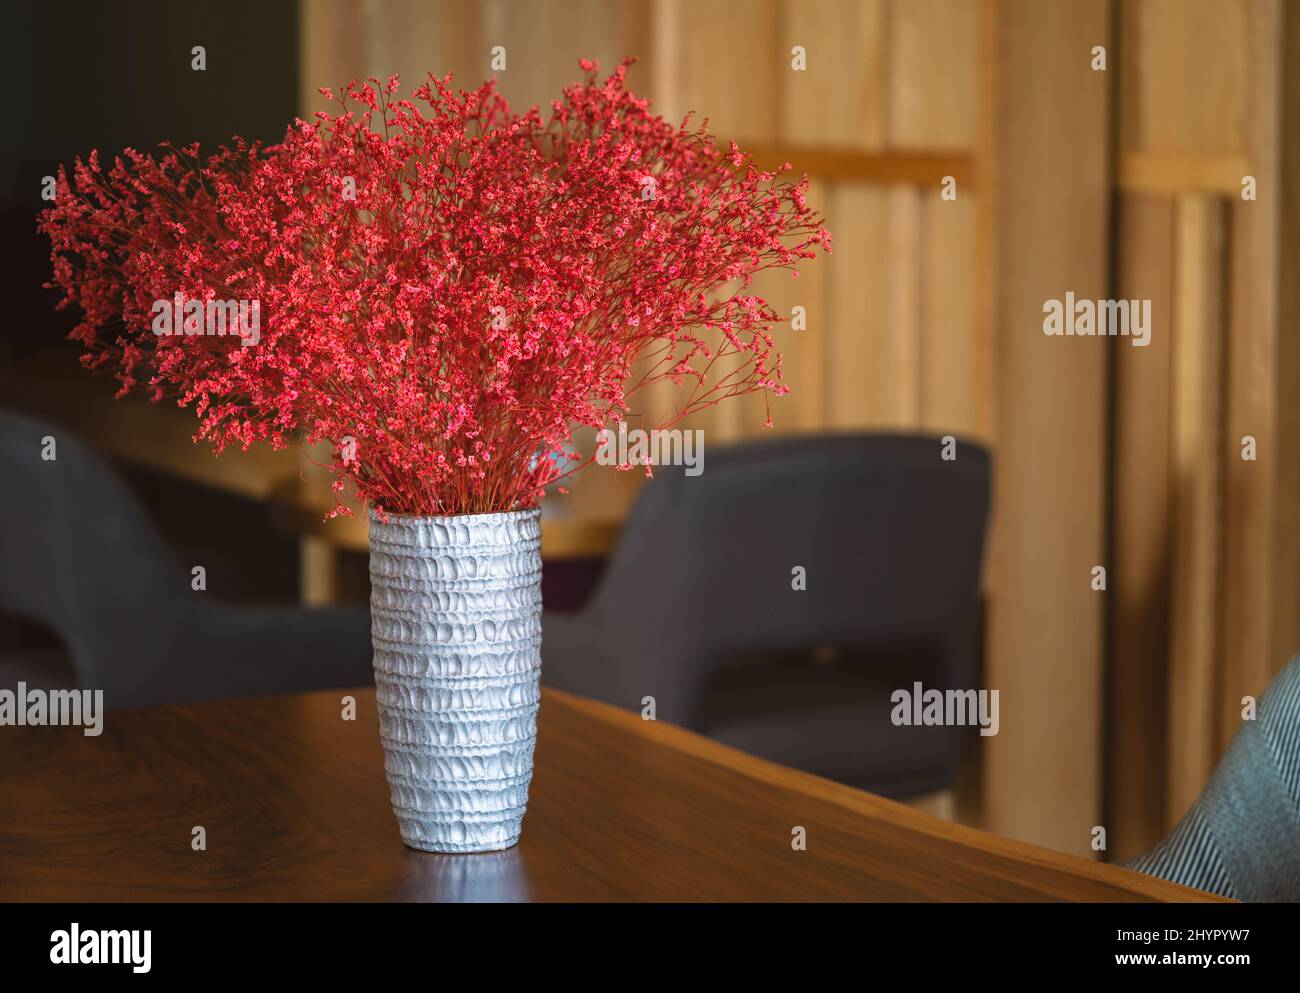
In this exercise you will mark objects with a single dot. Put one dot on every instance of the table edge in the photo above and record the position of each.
(869, 804)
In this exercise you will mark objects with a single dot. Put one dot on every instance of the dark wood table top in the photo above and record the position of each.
(295, 807)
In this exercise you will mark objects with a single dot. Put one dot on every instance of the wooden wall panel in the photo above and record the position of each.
(1196, 443)
(927, 316)
(870, 63)
(1205, 102)
(1043, 770)
(1261, 562)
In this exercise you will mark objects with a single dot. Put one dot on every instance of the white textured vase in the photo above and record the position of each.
(455, 605)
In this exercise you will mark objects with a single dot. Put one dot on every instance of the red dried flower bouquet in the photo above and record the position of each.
(439, 287)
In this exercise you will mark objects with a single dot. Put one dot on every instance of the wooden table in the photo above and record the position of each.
(295, 807)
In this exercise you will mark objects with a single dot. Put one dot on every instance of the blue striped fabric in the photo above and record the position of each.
(1241, 839)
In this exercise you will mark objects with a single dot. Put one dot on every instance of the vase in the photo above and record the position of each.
(455, 606)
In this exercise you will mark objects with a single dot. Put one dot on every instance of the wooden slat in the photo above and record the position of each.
(951, 347)
(703, 82)
(905, 332)
(1197, 477)
(840, 100)
(1186, 69)
(318, 571)
(1286, 530)
(859, 387)
(723, 423)
(349, 39)
(1182, 172)
(545, 39)
(1139, 560)
(914, 168)
(406, 37)
(1042, 776)
(804, 353)
(988, 231)
(933, 85)
(1261, 561)
(664, 56)
(328, 36)
(730, 68)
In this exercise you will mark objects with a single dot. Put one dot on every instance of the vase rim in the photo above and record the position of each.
(484, 517)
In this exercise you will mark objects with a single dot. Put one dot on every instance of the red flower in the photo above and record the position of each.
(445, 288)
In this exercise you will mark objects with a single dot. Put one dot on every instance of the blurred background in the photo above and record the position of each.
(1097, 147)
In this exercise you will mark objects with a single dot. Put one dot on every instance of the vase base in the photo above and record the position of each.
(443, 848)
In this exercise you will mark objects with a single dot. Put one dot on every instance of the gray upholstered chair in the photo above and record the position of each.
(82, 559)
(696, 607)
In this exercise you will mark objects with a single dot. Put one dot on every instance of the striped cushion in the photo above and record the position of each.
(1241, 839)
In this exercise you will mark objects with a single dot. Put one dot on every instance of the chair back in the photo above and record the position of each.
(81, 556)
(861, 541)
